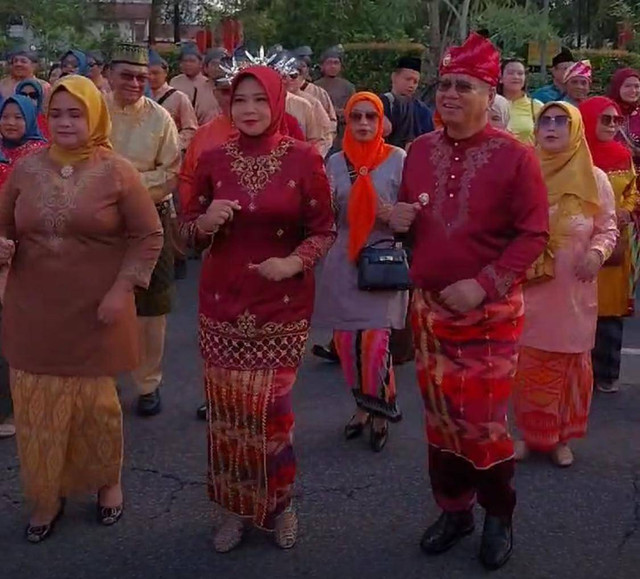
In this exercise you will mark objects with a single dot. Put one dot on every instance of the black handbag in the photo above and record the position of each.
(383, 268)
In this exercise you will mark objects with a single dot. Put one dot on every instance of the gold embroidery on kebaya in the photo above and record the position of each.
(312, 249)
(245, 345)
(254, 173)
(56, 196)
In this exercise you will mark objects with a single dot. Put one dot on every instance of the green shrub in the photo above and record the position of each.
(369, 65)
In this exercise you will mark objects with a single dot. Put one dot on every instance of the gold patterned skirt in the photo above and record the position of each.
(69, 434)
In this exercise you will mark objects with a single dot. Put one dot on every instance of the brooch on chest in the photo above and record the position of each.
(66, 171)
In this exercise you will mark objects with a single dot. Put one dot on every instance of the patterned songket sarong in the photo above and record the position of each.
(552, 397)
(367, 366)
(466, 364)
(251, 461)
(69, 433)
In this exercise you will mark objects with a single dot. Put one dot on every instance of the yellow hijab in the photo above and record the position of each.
(98, 119)
(569, 173)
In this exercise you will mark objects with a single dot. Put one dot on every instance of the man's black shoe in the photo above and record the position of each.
(446, 532)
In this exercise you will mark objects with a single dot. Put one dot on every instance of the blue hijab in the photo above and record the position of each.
(37, 87)
(28, 110)
(81, 57)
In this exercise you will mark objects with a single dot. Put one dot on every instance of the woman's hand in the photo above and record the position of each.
(383, 212)
(279, 268)
(114, 304)
(588, 268)
(7, 250)
(219, 212)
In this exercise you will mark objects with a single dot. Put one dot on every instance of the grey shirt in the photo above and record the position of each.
(340, 305)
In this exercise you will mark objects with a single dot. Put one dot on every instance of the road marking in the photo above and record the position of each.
(631, 351)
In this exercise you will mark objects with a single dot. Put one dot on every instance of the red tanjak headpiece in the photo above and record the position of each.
(477, 57)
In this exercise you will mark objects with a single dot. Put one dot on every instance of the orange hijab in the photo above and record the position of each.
(365, 157)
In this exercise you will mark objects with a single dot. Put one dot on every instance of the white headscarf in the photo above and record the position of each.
(502, 107)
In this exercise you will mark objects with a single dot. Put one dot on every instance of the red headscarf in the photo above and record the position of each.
(365, 157)
(617, 81)
(477, 57)
(607, 155)
(272, 83)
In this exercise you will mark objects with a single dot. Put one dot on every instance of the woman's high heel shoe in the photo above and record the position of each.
(38, 533)
(354, 428)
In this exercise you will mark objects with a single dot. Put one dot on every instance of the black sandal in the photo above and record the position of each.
(378, 438)
(109, 516)
(38, 533)
(355, 429)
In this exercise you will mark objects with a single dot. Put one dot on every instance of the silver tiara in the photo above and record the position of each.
(282, 64)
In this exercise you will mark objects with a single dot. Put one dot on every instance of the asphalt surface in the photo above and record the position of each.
(361, 514)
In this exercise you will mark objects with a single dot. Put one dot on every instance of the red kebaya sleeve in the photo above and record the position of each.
(196, 204)
(317, 214)
(530, 210)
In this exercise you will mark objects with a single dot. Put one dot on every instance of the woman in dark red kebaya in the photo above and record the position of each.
(263, 206)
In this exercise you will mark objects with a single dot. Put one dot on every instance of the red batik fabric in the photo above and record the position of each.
(252, 466)
(466, 365)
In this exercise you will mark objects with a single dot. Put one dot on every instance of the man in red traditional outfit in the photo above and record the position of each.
(475, 206)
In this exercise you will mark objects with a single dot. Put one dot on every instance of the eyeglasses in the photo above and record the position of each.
(559, 121)
(31, 95)
(611, 120)
(357, 116)
(129, 77)
(294, 75)
(460, 86)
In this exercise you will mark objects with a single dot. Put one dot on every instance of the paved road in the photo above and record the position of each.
(361, 514)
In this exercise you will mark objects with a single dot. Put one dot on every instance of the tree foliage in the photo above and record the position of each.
(513, 27)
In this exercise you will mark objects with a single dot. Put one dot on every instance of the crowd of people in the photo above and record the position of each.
(520, 277)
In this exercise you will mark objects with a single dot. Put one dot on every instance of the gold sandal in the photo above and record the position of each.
(286, 531)
(229, 535)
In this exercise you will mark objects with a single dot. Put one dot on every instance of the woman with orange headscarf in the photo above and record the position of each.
(81, 234)
(365, 178)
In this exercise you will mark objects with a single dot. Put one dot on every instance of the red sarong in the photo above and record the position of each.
(466, 365)
(552, 397)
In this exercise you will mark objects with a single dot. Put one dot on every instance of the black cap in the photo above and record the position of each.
(217, 53)
(303, 52)
(565, 55)
(333, 52)
(22, 50)
(410, 62)
(97, 56)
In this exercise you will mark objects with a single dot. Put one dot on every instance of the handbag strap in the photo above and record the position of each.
(384, 240)
(166, 95)
(353, 174)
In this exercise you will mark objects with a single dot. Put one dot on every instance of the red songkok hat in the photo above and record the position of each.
(477, 57)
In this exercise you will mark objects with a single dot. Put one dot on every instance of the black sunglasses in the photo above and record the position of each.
(559, 121)
(357, 116)
(460, 86)
(612, 120)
